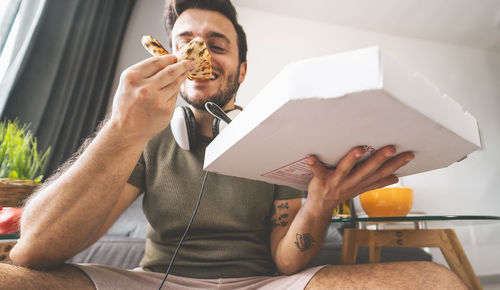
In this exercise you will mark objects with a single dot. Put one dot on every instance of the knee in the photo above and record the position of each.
(439, 276)
(63, 277)
(9, 276)
(6, 268)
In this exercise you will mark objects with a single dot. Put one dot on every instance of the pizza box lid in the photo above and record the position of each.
(328, 105)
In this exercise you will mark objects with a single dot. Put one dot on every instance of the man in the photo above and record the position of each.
(245, 231)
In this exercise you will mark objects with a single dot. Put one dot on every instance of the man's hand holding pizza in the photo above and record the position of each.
(146, 96)
(147, 93)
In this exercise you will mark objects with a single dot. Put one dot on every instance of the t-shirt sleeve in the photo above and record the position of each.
(285, 192)
(137, 177)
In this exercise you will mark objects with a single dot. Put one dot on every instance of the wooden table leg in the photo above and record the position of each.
(374, 248)
(445, 239)
(349, 247)
(374, 254)
(457, 260)
(353, 239)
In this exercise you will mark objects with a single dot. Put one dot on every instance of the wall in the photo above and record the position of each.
(470, 76)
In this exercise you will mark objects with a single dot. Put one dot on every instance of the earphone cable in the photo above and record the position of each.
(186, 231)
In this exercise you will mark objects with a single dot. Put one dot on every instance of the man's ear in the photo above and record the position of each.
(243, 72)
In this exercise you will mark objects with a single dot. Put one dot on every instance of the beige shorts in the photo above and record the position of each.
(106, 277)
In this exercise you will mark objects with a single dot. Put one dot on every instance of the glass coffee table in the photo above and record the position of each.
(417, 231)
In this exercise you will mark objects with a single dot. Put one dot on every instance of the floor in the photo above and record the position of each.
(490, 282)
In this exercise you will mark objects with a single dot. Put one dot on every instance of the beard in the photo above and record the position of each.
(221, 98)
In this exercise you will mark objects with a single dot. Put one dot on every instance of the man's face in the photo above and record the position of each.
(221, 39)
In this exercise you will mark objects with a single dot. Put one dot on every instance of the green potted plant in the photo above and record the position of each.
(21, 163)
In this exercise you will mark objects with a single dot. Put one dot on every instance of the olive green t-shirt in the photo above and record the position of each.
(230, 233)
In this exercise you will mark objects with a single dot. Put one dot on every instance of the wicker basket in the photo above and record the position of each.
(13, 192)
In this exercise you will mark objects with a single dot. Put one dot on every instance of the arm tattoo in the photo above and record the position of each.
(304, 241)
(282, 219)
(283, 206)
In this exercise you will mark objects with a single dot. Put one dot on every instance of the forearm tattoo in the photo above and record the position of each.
(280, 218)
(304, 241)
(283, 206)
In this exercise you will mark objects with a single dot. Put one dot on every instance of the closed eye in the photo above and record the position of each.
(217, 49)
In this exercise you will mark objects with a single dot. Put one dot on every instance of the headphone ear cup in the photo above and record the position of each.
(183, 125)
(191, 127)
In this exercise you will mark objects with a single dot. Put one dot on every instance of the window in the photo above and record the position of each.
(8, 13)
(18, 20)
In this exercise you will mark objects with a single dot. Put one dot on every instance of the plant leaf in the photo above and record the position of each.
(19, 154)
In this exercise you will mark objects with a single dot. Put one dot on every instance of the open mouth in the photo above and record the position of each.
(215, 75)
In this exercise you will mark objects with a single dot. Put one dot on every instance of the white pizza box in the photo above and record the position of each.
(328, 105)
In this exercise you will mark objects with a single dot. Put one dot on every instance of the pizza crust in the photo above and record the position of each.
(153, 46)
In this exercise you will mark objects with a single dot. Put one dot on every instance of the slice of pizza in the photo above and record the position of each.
(196, 50)
(153, 46)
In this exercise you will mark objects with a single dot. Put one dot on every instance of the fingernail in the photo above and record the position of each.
(310, 161)
(409, 158)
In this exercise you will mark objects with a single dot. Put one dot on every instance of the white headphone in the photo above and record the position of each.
(183, 125)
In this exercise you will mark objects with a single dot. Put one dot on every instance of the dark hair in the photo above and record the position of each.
(176, 7)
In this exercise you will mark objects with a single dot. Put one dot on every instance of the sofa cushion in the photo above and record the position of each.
(126, 253)
(132, 223)
(121, 252)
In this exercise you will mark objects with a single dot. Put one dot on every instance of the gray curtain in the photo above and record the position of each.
(64, 83)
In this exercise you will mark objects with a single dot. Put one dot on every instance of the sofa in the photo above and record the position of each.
(123, 245)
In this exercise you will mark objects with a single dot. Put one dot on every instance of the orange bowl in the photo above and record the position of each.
(389, 201)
